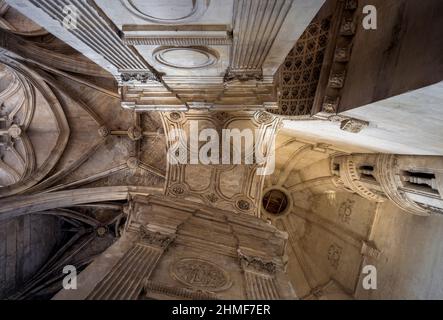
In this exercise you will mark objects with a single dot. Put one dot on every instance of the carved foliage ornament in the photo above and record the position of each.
(178, 189)
(243, 205)
(200, 274)
(142, 76)
(155, 238)
(258, 265)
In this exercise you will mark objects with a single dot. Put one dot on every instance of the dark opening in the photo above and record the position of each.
(275, 201)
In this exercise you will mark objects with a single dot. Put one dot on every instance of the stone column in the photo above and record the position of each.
(125, 280)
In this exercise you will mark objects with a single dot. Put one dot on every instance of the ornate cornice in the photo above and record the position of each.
(178, 41)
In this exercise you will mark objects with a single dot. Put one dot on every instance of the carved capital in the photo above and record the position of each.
(257, 264)
(155, 239)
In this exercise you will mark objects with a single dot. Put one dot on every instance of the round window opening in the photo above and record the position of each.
(275, 202)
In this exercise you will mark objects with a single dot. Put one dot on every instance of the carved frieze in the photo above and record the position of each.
(137, 77)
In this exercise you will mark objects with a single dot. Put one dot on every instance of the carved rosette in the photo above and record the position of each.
(176, 117)
(263, 117)
(104, 131)
(178, 189)
(200, 274)
(244, 205)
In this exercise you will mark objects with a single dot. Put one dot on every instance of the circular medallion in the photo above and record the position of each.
(135, 133)
(178, 189)
(263, 117)
(243, 205)
(14, 131)
(176, 116)
(200, 274)
(185, 57)
(132, 163)
(167, 11)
